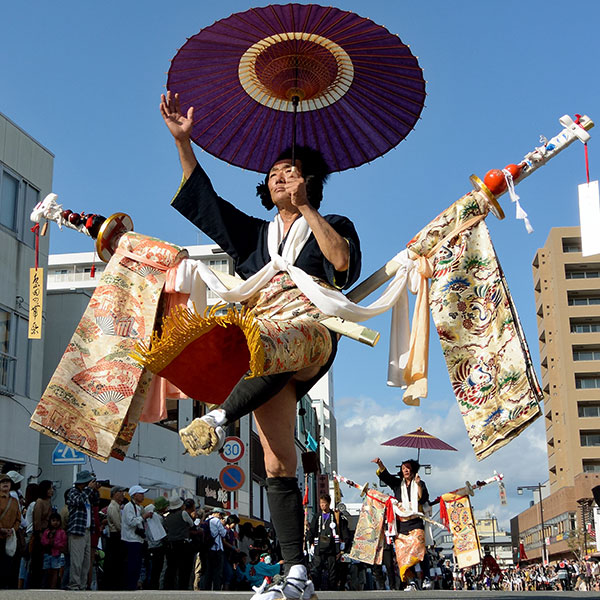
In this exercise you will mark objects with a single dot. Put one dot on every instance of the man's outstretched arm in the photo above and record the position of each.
(180, 127)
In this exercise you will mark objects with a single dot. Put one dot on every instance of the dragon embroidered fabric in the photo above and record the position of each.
(483, 344)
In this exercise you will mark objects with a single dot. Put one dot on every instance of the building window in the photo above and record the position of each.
(589, 300)
(571, 245)
(585, 327)
(219, 264)
(9, 200)
(591, 354)
(589, 438)
(587, 382)
(581, 274)
(172, 420)
(591, 466)
(15, 354)
(588, 409)
(32, 197)
(6, 360)
(17, 199)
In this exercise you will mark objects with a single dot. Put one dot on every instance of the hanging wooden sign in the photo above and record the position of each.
(36, 300)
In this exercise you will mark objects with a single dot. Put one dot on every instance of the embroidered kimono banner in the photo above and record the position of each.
(462, 527)
(484, 347)
(367, 546)
(95, 397)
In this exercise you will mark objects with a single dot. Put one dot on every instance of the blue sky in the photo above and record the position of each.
(84, 79)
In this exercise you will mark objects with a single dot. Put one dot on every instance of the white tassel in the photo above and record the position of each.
(520, 213)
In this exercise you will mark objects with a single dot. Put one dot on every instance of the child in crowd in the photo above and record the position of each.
(261, 567)
(54, 541)
(241, 576)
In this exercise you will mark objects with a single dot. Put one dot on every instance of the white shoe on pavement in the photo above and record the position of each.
(296, 586)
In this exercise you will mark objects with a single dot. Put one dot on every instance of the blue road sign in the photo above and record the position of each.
(232, 478)
(65, 455)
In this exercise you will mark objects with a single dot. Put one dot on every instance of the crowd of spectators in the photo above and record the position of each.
(131, 542)
(562, 575)
(126, 543)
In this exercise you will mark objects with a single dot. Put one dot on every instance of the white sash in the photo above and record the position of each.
(411, 504)
(191, 273)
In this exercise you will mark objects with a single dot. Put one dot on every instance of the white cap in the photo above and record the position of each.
(137, 489)
(16, 477)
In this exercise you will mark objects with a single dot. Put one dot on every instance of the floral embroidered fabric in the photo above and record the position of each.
(485, 350)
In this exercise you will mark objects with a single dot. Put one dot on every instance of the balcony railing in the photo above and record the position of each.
(72, 277)
(7, 373)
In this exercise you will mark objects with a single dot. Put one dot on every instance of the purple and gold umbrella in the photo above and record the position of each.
(303, 74)
(419, 439)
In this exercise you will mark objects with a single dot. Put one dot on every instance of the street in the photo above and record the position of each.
(388, 595)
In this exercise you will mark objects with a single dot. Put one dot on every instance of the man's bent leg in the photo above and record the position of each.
(206, 434)
(276, 422)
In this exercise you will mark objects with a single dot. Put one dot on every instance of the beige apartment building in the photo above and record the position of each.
(567, 300)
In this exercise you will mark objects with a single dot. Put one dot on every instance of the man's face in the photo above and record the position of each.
(324, 505)
(4, 487)
(118, 497)
(406, 471)
(138, 498)
(278, 176)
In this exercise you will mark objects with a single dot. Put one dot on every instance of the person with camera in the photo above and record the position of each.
(79, 526)
(213, 574)
(133, 535)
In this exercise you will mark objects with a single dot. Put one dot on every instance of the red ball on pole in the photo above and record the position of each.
(495, 181)
(514, 170)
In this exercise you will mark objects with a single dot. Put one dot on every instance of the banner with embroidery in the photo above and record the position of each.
(467, 548)
(368, 541)
(96, 395)
(486, 354)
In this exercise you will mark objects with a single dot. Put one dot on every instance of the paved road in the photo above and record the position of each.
(163, 595)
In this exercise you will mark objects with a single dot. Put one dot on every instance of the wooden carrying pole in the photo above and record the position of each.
(533, 160)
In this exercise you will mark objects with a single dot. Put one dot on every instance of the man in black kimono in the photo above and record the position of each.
(331, 253)
(399, 483)
(330, 534)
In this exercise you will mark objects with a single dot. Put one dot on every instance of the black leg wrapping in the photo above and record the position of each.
(250, 394)
(285, 504)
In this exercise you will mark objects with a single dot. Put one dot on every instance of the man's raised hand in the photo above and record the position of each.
(179, 125)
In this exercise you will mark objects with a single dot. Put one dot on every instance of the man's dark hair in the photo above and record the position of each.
(314, 170)
(325, 497)
(413, 465)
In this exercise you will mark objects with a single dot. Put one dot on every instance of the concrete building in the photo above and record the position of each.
(567, 300)
(155, 459)
(495, 539)
(25, 178)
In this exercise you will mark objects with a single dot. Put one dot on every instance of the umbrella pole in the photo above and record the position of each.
(295, 101)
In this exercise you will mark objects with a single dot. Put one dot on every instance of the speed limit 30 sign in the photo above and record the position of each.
(233, 449)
